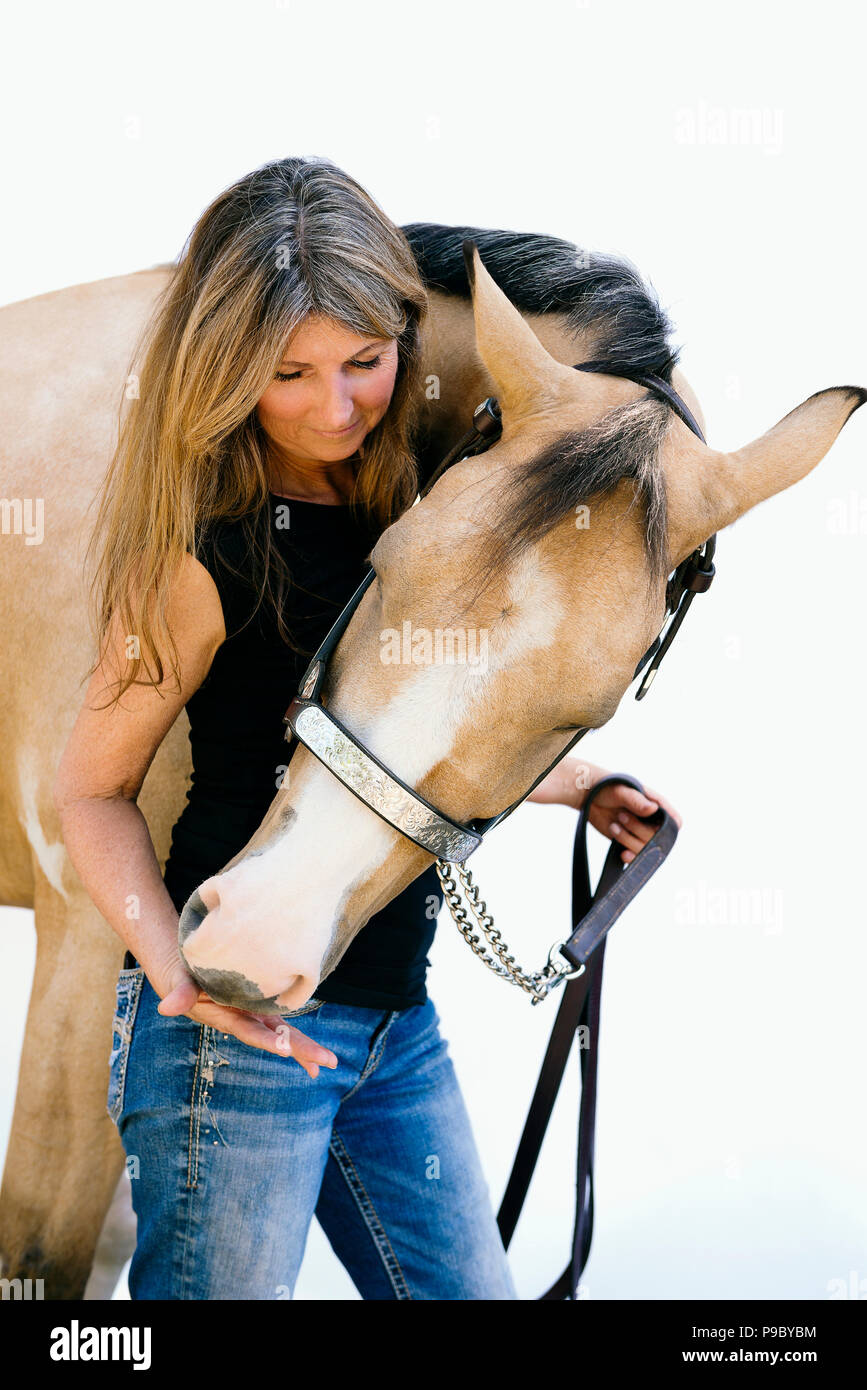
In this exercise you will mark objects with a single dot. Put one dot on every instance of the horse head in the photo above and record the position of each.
(511, 607)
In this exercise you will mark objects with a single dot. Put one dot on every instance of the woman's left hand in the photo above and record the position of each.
(617, 810)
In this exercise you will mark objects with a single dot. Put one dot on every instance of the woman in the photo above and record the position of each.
(281, 376)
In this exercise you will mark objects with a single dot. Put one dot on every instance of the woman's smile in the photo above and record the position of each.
(338, 434)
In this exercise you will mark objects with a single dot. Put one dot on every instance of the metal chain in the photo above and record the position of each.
(539, 984)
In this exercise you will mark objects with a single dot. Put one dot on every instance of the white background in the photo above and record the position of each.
(731, 1144)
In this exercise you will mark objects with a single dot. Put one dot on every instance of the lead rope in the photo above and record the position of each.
(539, 984)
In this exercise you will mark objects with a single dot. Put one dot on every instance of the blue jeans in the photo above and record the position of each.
(231, 1151)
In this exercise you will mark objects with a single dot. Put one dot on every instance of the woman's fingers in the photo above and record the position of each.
(269, 1032)
(180, 999)
(630, 832)
(666, 806)
(309, 1054)
(245, 1027)
(635, 802)
(639, 806)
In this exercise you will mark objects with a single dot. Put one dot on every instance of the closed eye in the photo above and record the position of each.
(365, 366)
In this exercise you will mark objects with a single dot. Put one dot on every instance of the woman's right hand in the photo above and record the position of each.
(180, 994)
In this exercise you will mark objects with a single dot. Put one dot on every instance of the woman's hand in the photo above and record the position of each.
(615, 812)
(180, 994)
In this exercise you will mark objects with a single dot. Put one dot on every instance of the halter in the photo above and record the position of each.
(404, 808)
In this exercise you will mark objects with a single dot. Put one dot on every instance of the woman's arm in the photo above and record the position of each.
(567, 784)
(95, 792)
(109, 844)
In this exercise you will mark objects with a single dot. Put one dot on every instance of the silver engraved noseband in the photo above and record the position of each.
(362, 773)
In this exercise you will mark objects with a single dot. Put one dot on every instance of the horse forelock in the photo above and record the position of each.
(580, 468)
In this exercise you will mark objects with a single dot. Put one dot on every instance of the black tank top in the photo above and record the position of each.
(239, 748)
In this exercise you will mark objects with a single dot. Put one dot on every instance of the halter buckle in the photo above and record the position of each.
(487, 417)
(561, 968)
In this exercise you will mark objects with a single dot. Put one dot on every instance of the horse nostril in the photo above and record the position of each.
(193, 913)
(209, 894)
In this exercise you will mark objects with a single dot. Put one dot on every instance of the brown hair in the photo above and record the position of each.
(295, 237)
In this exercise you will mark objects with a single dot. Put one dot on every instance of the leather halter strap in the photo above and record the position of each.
(654, 384)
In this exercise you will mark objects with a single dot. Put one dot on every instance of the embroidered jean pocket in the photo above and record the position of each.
(127, 995)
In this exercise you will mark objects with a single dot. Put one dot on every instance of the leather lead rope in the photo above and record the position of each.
(593, 915)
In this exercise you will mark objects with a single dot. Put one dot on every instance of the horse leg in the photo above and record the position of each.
(64, 1156)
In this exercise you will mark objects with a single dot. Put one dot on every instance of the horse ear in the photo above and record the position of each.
(708, 490)
(528, 379)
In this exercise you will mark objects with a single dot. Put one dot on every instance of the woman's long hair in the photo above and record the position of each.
(296, 237)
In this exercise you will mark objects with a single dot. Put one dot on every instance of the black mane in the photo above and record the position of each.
(605, 298)
(546, 275)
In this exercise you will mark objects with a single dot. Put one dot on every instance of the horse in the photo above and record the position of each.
(567, 609)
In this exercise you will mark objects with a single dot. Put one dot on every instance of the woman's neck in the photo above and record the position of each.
(327, 483)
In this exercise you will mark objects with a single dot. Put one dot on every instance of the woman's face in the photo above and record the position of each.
(330, 390)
